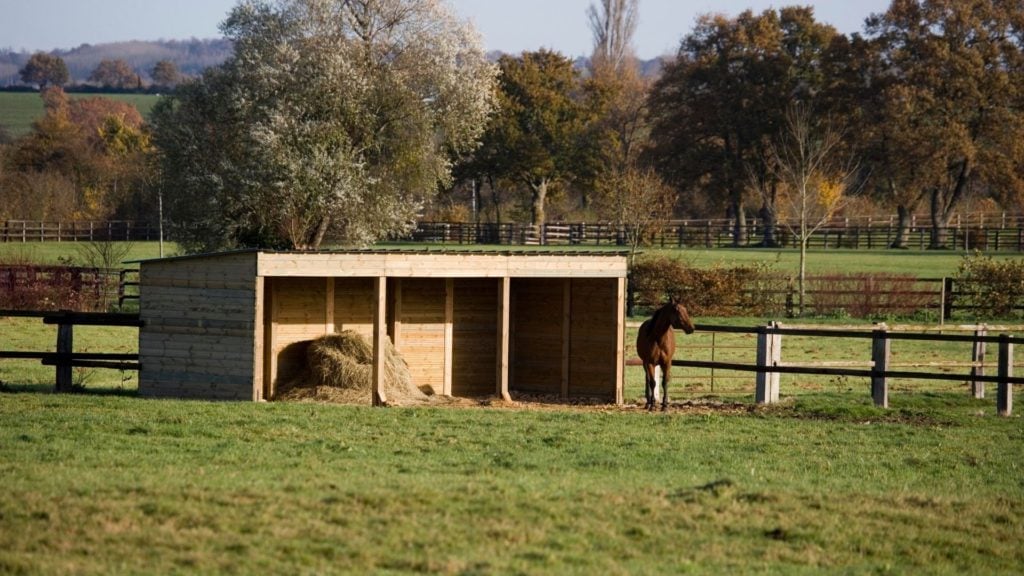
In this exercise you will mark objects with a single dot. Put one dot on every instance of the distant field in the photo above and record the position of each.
(19, 109)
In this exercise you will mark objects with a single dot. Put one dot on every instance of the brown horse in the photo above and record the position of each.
(656, 343)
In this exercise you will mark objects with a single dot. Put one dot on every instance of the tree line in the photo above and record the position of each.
(345, 121)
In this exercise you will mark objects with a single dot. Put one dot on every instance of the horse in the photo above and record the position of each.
(656, 343)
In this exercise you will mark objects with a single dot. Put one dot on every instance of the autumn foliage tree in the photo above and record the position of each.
(957, 70)
(114, 74)
(45, 70)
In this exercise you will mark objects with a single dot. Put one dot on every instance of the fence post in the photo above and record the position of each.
(978, 359)
(1004, 402)
(880, 358)
(947, 300)
(65, 345)
(769, 354)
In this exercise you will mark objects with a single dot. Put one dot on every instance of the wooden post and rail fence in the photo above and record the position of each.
(987, 232)
(64, 359)
(768, 365)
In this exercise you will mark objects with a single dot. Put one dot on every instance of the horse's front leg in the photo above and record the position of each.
(665, 371)
(649, 383)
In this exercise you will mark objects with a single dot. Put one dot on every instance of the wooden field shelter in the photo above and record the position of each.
(472, 324)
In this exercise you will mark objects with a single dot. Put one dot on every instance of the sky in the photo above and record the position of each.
(507, 25)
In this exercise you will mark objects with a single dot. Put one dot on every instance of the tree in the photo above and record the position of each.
(720, 102)
(165, 74)
(813, 178)
(638, 202)
(332, 117)
(956, 87)
(45, 70)
(617, 92)
(613, 26)
(114, 74)
(97, 146)
(534, 137)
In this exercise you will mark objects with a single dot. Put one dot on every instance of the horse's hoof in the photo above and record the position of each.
(664, 407)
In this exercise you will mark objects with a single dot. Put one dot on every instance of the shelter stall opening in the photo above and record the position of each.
(234, 325)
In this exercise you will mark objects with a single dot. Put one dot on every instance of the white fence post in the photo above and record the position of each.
(769, 354)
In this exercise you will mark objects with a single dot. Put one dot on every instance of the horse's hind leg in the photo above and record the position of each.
(649, 385)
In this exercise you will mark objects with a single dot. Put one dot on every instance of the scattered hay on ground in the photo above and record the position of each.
(339, 369)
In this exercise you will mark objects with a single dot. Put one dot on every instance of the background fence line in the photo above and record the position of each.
(1002, 232)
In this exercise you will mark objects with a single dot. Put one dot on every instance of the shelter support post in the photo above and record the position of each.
(1004, 402)
(380, 289)
(504, 317)
(769, 354)
(880, 349)
(620, 335)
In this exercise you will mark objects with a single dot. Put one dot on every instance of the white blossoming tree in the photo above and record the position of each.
(333, 118)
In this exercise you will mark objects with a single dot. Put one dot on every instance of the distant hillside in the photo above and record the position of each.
(191, 56)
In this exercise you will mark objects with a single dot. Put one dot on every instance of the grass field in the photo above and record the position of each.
(825, 483)
(57, 252)
(103, 482)
(19, 109)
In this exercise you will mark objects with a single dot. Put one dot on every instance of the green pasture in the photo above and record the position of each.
(825, 483)
(61, 252)
(104, 482)
(18, 110)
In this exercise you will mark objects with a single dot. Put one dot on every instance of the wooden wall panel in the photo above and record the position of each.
(199, 325)
(354, 305)
(537, 335)
(299, 311)
(474, 337)
(593, 340)
(422, 335)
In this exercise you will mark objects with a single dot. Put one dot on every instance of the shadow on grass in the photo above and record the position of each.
(12, 388)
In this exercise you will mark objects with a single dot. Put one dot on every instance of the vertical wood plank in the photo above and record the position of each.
(504, 319)
(620, 341)
(270, 385)
(329, 307)
(396, 312)
(65, 345)
(566, 333)
(380, 292)
(449, 319)
(880, 347)
(1004, 400)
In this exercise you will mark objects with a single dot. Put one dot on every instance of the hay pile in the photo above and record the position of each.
(339, 368)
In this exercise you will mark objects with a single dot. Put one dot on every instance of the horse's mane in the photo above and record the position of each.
(659, 320)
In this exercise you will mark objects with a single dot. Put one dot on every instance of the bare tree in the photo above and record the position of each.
(812, 178)
(638, 202)
(613, 24)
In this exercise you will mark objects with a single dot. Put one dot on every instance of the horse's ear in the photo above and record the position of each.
(673, 300)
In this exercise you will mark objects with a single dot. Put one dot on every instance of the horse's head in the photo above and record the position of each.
(679, 317)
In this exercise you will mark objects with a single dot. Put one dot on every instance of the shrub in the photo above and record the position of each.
(992, 288)
(717, 291)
